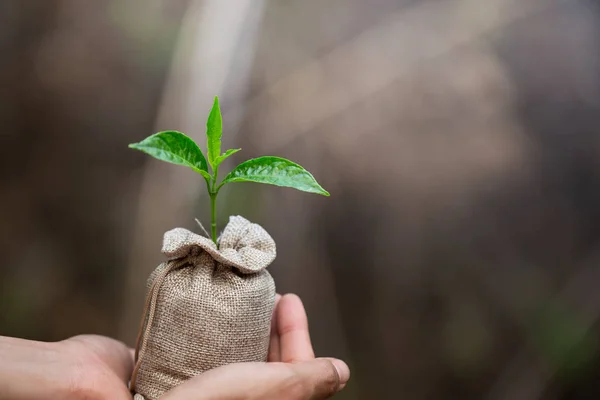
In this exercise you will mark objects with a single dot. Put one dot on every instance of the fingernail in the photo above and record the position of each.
(343, 372)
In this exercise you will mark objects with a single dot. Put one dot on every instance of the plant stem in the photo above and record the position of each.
(213, 190)
(213, 216)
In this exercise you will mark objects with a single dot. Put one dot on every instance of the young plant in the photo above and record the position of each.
(177, 148)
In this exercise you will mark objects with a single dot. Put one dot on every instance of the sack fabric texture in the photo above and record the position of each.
(205, 307)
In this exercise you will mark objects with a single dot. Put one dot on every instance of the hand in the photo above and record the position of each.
(101, 367)
(291, 373)
(83, 367)
(96, 367)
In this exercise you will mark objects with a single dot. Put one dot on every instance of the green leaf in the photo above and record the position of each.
(222, 157)
(176, 148)
(214, 131)
(275, 171)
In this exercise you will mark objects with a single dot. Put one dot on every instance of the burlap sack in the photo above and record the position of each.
(206, 307)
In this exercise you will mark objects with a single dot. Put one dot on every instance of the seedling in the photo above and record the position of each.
(177, 148)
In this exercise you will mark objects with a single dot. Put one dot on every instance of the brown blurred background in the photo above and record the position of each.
(459, 254)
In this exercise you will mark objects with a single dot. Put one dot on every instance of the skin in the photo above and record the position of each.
(94, 367)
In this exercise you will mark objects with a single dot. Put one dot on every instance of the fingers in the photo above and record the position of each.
(274, 353)
(321, 378)
(292, 327)
(310, 380)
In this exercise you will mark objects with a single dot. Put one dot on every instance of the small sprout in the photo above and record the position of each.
(177, 148)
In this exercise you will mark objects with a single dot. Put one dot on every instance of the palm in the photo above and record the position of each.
(101, 367)
(98, 367)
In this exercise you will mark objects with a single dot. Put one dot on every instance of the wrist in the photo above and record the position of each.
(31, 370)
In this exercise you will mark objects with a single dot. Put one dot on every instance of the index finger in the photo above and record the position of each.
(274, 353)
(292, 326)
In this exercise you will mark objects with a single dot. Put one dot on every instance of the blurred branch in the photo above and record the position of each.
(527, 376)
(205, 56)
(327, 78)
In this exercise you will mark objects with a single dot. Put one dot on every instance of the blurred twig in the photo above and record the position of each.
(326, 77)
(211, 34)
(527, 377)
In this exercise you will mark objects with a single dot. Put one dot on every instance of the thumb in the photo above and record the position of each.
(324, 377)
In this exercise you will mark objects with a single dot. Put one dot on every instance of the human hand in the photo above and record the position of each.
(291, 373)
(83, 367)
(101, 367)
(95, 367)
